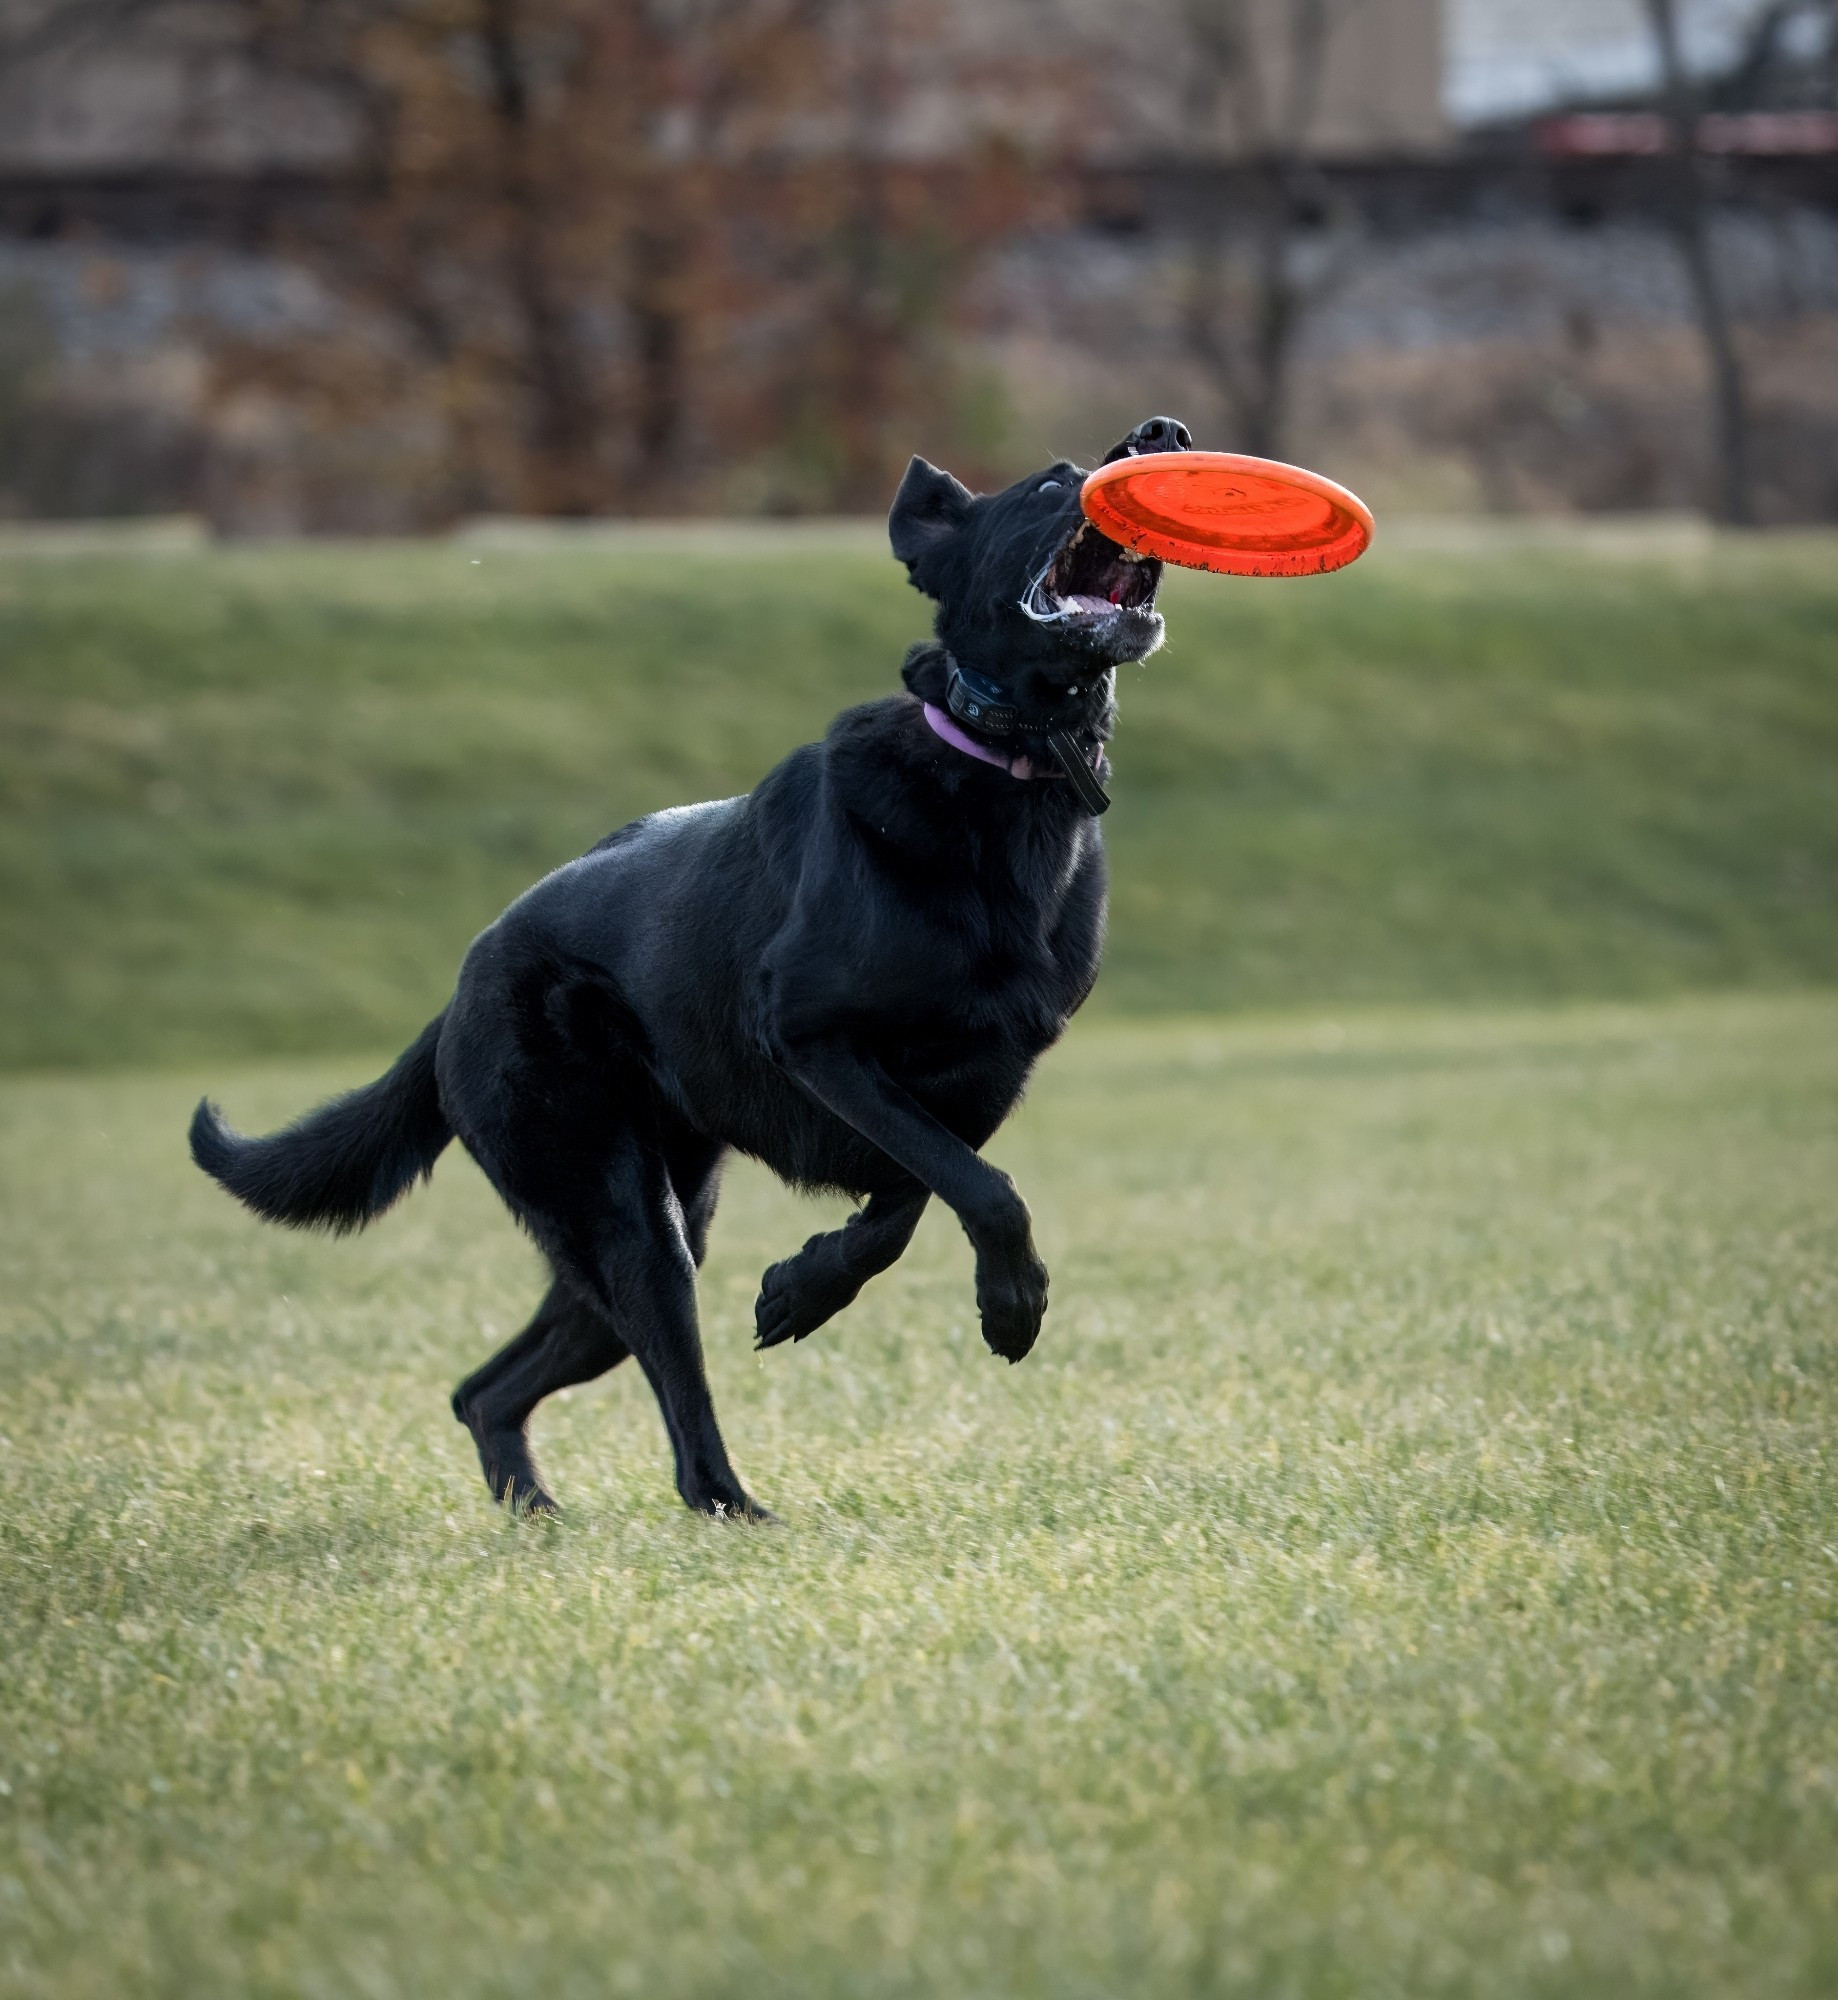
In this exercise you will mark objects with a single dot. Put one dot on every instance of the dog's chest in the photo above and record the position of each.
(986, 969)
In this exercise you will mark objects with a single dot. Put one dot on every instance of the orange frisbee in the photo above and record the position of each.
(1221, 511)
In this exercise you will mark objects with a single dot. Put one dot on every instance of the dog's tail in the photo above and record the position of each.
(343, 1164)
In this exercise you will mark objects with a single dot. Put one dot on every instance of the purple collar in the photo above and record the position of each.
(984, 701)
(943, 726)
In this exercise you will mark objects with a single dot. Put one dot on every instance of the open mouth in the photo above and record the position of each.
(1092, 577)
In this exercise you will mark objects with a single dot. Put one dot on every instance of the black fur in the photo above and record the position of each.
(847, 973)
(343, 1164)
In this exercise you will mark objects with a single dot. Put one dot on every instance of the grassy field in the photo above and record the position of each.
(1408, 1565)
(258, 801)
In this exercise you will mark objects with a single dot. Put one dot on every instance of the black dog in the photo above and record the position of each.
(848, 974)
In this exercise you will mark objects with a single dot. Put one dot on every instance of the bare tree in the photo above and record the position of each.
(1253, 100)
(547, 190)
(1762, 54)
(1688, 215)
(607, 249)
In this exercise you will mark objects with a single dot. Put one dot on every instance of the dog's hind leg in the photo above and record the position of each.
(568, 1341)
(617, 1228)
(629, 1250)
(799, 1294)
(547, 1082)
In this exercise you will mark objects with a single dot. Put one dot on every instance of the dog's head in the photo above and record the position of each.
(1028, 590)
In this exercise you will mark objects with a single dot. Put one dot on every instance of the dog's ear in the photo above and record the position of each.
(928, 510)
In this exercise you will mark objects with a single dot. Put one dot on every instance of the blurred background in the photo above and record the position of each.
(341, 341)
(378, 266)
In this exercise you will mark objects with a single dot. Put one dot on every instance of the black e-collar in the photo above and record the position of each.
(989, 708)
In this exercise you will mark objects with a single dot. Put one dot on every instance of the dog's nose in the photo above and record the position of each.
(1154, 434)
(1162, 434)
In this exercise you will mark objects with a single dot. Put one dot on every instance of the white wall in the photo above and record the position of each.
(1505, 57)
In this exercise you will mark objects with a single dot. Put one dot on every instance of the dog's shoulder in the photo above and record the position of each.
(860, 769)
(891, 782)
(875, 739)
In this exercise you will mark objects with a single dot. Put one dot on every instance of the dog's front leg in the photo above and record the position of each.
(797, 1295)
(1011, 1281)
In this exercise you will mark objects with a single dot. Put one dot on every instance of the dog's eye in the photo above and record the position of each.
(1048, 486)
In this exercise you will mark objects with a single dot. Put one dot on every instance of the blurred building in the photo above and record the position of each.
(1045, 216)
(157, 92)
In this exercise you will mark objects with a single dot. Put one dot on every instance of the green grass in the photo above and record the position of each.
(1406, 1567)
(258, 801)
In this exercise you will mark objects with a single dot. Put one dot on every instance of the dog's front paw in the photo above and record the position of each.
(1012, 1299)
(798, 1295)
